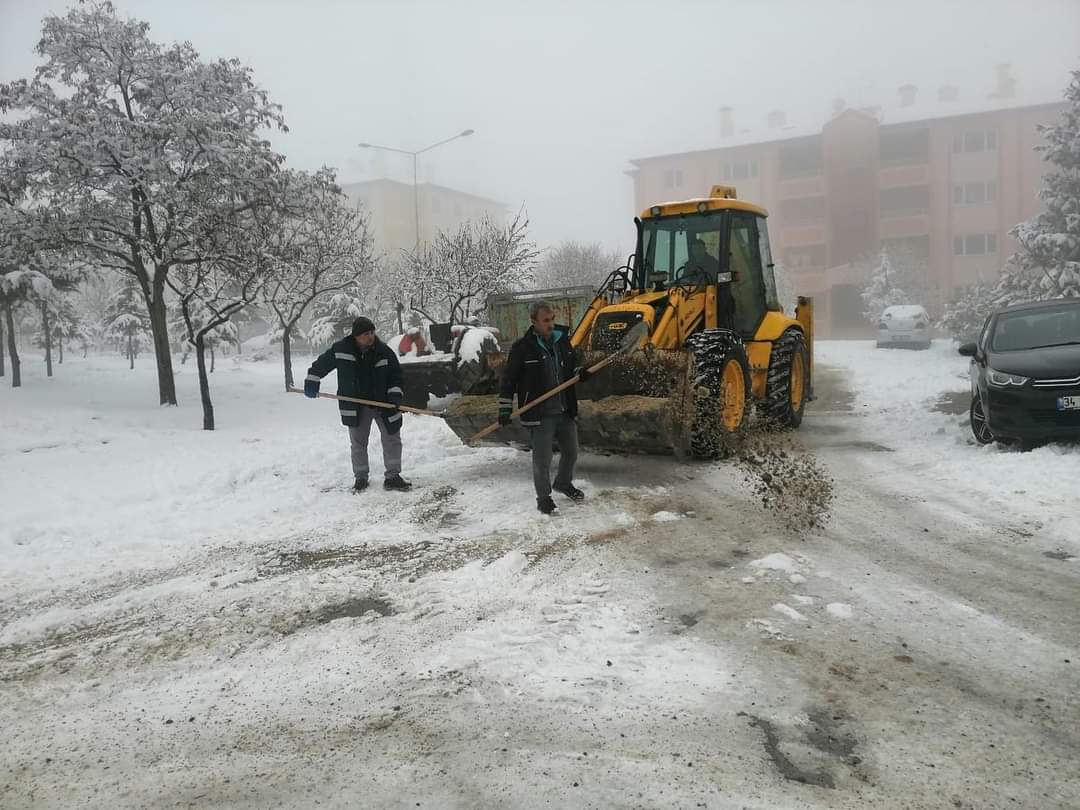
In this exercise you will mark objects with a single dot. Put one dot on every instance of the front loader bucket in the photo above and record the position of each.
(638, 404)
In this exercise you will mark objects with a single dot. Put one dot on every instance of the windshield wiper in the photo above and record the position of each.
(1052, 345)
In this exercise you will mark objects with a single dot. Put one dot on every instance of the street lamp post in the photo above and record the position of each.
(413, 155)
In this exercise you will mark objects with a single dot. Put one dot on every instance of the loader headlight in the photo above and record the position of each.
(1003, 380)
(702, 207)
(655, 210)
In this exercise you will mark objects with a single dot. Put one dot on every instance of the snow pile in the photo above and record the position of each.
(473, 343)
(665, 516)
(775, 562)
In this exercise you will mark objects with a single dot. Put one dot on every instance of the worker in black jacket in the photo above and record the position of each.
(366, 369)
(540, 360)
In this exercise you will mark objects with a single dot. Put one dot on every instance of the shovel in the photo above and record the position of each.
(629, 343)
(372, 403)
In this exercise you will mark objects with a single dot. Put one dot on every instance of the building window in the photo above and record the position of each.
(978, 140)
(739, 170)
(903, 248)
(804, 211)
(976, 193)
(805, 257)
(904, 201)
(975, 244)
(905, 147)
(801, 160)
(673, 178)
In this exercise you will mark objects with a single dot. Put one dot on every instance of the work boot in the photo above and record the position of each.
(546, 505)
(395, 481)
(360, 484)
(571, 492)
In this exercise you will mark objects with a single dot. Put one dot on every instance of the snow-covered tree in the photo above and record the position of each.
(333, 316)
(893, 282)
(964, 317)
(571, 264)
(452, 277)
(18, 285)
(127, 321)
(1048, 256)
(321, 246)
(126, 146)
(93, 303)
(209, 292)
(49, 301)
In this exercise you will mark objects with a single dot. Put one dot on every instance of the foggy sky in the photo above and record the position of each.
(563, 94)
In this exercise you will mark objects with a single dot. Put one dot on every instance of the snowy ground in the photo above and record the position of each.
(194, 619)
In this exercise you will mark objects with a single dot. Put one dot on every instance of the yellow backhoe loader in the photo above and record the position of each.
(718, 344)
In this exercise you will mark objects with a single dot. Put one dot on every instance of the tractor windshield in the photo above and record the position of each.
(680, 249)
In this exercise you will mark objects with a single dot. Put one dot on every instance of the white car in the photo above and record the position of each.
(904, 326)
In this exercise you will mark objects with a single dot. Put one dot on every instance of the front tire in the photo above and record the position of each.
(980, 429)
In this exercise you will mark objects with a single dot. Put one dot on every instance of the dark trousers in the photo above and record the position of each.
(560, 428)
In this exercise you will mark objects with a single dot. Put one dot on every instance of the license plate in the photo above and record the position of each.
(1068, 404)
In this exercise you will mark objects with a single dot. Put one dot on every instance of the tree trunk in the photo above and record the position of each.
(60, 346)
(204, 384)
(286, 355)
(212, 359)
(3, 371)
(16, 377)
(159, 328)
(48, 339)
(131, 351)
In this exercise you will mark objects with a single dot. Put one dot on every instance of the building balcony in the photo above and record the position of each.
(793, 234)
(901, 224)
(793, 188)
(904, 175)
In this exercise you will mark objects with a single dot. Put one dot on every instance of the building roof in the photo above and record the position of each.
(933, 110)
(386, 181)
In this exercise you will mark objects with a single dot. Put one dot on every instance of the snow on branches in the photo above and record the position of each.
(452, 278)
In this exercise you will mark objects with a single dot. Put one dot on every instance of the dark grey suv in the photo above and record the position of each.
(1025, 373)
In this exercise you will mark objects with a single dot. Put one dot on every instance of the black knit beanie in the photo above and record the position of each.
(361, 325)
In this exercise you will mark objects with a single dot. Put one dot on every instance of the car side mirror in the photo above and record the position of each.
(968, 349)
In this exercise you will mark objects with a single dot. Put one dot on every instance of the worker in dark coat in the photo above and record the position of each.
(540, 360)
(366, 369)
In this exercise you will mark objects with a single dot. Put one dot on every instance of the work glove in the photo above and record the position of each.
(583, 374)
(311, 388)
(504, 417)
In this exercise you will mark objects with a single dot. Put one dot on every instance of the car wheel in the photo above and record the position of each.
(979, 428)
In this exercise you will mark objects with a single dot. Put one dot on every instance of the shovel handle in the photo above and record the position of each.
(545, 396)
(371, 403)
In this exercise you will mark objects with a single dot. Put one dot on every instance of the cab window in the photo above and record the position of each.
(748, 290)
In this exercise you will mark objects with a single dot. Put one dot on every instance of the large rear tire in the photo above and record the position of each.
(788, 382)
(722, 393)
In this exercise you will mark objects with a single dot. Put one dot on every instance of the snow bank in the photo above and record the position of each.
(472, 343)
(895, 395)
(775, 562)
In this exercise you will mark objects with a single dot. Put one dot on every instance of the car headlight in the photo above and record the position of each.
(1003, 380)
